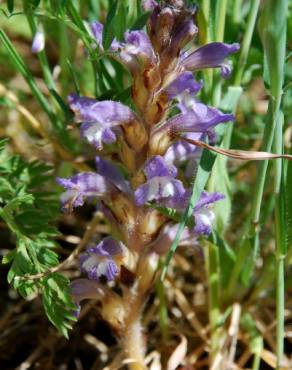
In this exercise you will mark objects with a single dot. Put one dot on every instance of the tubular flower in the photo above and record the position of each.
(203, 214)
(100, 119)
(195, 118)
(84, 289)
(80, 187)
(185, 83)
(102, 260)
(161, 184)
(212, 55)
(137, 49)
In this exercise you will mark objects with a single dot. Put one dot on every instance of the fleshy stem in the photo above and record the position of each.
(133, 342)
(134, 301)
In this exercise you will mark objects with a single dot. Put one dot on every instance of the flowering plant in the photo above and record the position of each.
(133, 112)
(148, 146)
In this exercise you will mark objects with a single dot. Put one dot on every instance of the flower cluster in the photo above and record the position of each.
(147, 144)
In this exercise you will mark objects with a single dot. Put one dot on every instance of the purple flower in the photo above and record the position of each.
(85, 289)
(196, 117)
(97, 30)
(183, 32)
(103, 259)
(136, 49)
(100, 118)
(182, 151)
(203, 215)
(166, 236)
(111, 172)
(161, 184)
(185, 83)
(212, 55)
(80, 187)
(38, 42)
(149, 4)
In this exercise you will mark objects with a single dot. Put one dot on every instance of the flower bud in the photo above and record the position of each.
(159, 143)
(127, 155)
(146, 271)
(113, 311)
(151, 223)
(123, 209)
(135, 135)
(38, 42)
(164, 27)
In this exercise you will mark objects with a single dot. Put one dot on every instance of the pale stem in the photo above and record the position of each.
(133, 341)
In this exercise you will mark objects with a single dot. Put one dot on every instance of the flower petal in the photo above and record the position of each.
(207, 199)
(204, 218)
(97, 30)
(136, 48)
(181, 151)
(184, 82)
(149, 4)
(157, 166)
(80, 187)
(85, 289)
(209, 56)
(38, 42)
(200, 118)
(103, 259)
(166, 236)
(108, 247)
(105, 112)
(112, 173)
(166, 191)
(100, 118)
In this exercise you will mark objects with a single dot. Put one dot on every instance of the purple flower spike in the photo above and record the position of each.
(161, 185)
(38, 42)
(100, 118)
(80, 187)
(210, 56)
(103, 259)
(184, 83)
